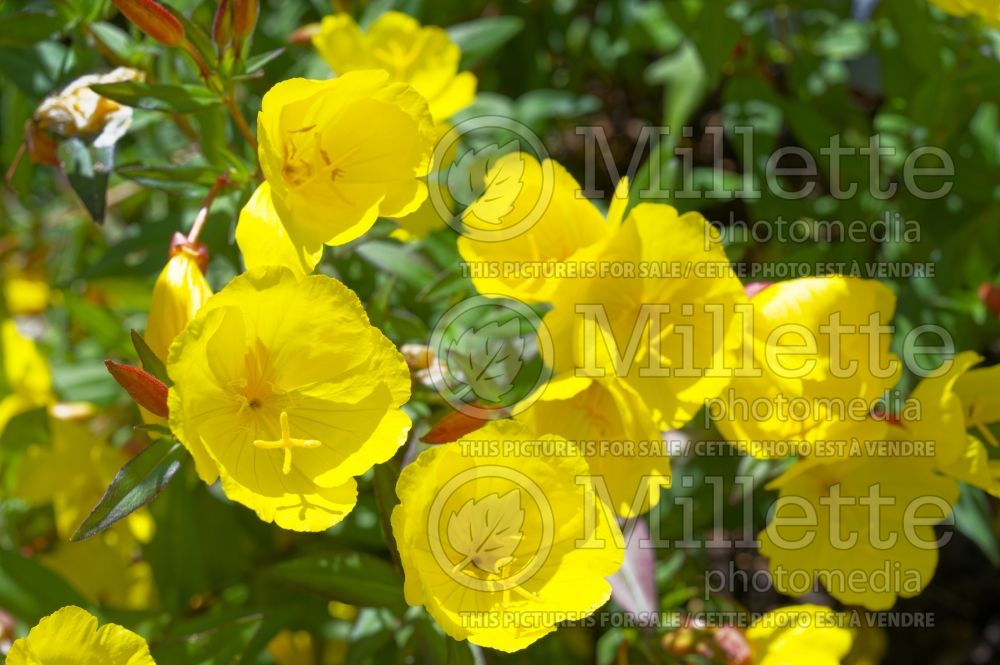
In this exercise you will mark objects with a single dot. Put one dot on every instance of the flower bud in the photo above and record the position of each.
(990, 296)
(179, 293)
(148, 392)
(245, 17)
(222, 24)
(153, 19)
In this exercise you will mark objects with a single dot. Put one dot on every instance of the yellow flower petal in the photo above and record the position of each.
(71, 635)
(263, 240)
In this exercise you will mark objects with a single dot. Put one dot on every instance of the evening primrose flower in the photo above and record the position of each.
(71, 635)
(987, 10)
(529, 213)
(661, 314)
(424, 57)
(284, 390)
(179, 292)
(500, 549)
(26, 382)
(798, 634)
(596, 413)
(862, 525)
(812, 346)
(337, 154)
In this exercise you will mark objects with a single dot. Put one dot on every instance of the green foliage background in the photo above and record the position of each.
(798, 72)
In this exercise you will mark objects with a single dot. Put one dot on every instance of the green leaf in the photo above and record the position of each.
(159, 96)
(349, 577)
(30, 591)
(257, 62)
(135, 485)
(482, 37)
(88, 168)
(196, 35)
(973, 518)
(169, 177)
(150, 361)
(27, 28)
(398, 260)
(384, 478)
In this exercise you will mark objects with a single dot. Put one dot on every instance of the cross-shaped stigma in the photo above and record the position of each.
(286, 443)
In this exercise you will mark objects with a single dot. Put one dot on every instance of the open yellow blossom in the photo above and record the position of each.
(284, 390)
(337, 154)
(263, 240)
(498, 548)
(26, 382)
(71, 635)
(663, 318)
(179, 292)
(862, 525)
(422, 56)
(987, 10)
(616, 434)
(529, 213)
(798, 634)
(807, 357)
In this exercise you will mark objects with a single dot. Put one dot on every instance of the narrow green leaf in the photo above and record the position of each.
(974, 519)
(137, 483)
(150, 361)
(483, 37)
(196, 35)
(88, 168)
(384, 477)
(398, 260)
(159, 96)
(28, 28)
(257, 62)
(348, 577)
(169, 177)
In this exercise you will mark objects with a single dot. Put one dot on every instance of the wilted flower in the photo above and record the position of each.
(422, 56)
(283, 389)
(71, 635)
(78, 111)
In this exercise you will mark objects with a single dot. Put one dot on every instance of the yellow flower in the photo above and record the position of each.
(802, 337)
(179, 292)
(987, 10)
(862, 525)
(263, 240)
(660, 314)
(71, 635)
(979, 390)
(104, 570)
(529, 214)
(423, 57)
(25, 293)
(284, 391)
(500, 548)
(337, 154)
(26, 382)
(798, 634)
(616, 433)
(72, 472)
(944, 418)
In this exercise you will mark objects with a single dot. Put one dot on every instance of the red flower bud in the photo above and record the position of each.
(148, 392)
(222, 24)
(153, 19)
(990, 295)
(245, 17)
(196, 250)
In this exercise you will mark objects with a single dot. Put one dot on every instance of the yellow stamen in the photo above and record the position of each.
(286, 443)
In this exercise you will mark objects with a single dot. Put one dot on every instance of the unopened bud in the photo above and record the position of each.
(990, 296)
(153, 19)
(148, 392)
(180, 291)
(245, 17)
(222, 24)
(304, 35)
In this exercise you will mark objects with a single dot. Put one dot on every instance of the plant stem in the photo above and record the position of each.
(206, 205)
(241, 123)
